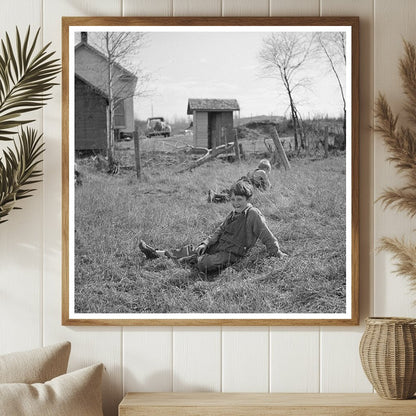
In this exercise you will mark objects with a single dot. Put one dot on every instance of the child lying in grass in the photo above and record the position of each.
(231, 240)
(259, 178)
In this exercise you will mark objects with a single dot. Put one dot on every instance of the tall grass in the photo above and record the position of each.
(305, 210)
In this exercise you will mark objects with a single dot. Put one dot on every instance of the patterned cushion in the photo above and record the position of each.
(35, 366)
(73, 394)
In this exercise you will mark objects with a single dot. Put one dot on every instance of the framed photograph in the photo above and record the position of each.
(210, 171)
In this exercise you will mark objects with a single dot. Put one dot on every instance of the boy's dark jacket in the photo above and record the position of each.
(239, 232)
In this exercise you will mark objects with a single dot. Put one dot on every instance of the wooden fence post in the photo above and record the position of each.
(242, 153)
(137, 154)
(326, 141)
(236, 146)
(280, 149)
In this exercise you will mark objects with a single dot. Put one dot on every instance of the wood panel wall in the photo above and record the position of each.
(200, 119)
(260, 359)
(90, 118)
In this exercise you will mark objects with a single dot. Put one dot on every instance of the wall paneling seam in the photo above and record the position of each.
(172, 357)
(320, 360)
(269, 374)
(374, 160)
(122, 360)
(221, 359)
(42, 277)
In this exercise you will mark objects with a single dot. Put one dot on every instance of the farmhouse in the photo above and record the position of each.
(91, 97)
(212, 120)
(90, 116)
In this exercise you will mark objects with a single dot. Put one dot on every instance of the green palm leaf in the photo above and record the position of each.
(18, 169)
(25, 79)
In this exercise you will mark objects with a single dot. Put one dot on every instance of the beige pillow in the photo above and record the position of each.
(35, 366)
(73, 394)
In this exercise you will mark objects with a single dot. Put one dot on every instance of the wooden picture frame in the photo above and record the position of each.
(103, 271)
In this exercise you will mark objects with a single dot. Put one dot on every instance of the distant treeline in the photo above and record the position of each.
(284, 125)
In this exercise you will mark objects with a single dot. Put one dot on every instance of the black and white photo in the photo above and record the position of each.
(210, 171)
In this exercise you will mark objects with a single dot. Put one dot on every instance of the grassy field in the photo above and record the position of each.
(305, 210)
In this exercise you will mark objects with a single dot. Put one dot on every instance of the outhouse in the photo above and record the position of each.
(212, 120)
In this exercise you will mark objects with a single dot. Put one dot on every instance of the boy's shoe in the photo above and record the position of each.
(147, 250)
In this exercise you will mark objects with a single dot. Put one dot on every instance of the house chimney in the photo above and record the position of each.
(84, 37)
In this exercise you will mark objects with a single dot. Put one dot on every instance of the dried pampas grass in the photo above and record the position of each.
(401, 143)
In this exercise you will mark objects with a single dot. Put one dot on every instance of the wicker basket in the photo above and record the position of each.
(388, 356)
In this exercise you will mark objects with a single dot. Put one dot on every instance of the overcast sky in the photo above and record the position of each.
(224, 65)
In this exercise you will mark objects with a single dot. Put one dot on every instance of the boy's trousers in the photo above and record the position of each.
(212, 260)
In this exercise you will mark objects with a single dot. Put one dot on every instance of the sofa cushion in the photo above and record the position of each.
(73, 394)
(35, 366)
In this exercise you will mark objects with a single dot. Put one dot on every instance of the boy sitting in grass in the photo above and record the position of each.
(231, 240)
(259, 178)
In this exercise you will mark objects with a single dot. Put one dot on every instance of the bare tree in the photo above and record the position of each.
(333, 46)
(283, 56)
(124, 78)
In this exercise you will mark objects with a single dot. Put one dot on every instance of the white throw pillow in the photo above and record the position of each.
(73, 394)
(35, 366)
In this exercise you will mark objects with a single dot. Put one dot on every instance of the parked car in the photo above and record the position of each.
(157, 126)
(126, 137)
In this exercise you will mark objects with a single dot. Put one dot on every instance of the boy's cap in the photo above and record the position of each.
(242, 187)
(264, 164)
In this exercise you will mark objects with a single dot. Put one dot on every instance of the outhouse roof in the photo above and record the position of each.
(212, 104)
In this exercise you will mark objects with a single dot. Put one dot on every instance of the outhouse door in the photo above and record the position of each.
(214, 129)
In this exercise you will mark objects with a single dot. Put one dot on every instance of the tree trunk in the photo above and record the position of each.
(344, 128)
(111, 147)
(108, 125)
(110, 132)
(210, 154)
(295, 130)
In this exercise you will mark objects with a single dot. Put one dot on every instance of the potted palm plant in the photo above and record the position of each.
(26, 78)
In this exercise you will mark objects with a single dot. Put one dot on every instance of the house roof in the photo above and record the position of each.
(97, 52)
(93, 87)
(212, 104)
